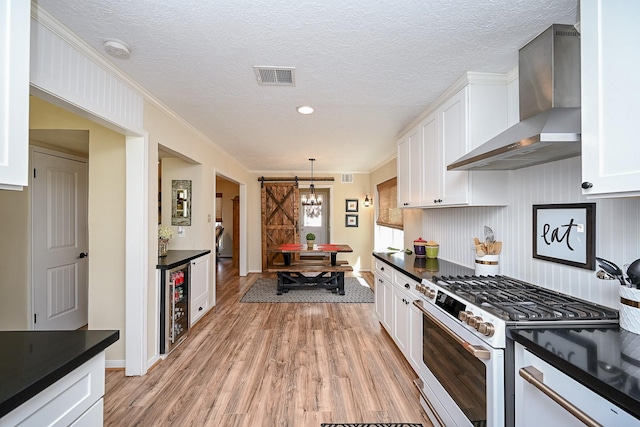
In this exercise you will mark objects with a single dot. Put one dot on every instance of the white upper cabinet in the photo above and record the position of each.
(610, 61)
(458, 122)
(15, 19)
(410, 170)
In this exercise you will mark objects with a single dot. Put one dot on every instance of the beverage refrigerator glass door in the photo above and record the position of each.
(462, 376)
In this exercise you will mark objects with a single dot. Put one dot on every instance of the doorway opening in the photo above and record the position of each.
(227, 220)
(316, 219)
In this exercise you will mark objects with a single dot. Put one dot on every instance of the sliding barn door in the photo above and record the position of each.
(279, 218)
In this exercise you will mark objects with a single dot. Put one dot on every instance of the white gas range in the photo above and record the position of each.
(466, 378)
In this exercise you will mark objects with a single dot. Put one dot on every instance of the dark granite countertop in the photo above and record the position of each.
(422, 268)
(176, 258)
(31, 361)
(604, 359)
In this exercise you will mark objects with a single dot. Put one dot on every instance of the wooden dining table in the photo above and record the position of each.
(287, 249)
(295, 274)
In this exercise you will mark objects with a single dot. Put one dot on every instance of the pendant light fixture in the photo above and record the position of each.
(312, 202)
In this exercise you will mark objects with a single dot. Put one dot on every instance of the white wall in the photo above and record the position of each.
(617, 231)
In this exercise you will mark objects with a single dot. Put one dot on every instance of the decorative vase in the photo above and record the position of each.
(163, 247)
(310, 244)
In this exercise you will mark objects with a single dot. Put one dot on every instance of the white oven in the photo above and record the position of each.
(467, 374)
(462, 378)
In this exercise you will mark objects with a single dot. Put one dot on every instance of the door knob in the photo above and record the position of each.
(83, 255)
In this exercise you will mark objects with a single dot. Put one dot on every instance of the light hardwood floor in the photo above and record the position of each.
(248, 364)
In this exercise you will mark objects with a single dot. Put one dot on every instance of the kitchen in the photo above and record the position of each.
(616, 224)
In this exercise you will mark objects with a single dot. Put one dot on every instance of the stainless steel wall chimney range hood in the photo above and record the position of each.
(549, 128)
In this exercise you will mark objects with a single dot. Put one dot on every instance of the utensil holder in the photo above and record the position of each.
(630, 309)
(487, 265)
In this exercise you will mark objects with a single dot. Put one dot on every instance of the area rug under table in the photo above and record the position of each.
(372, 425)
(264, 290)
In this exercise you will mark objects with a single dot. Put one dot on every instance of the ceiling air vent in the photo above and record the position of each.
(275, 76)
(347, 178)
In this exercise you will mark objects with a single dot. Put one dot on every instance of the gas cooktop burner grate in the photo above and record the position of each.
(516, 300)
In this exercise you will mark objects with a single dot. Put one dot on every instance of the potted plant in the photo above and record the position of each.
(164, 234)
(311, 238)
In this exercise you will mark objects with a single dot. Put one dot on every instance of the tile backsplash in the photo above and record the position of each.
(617, 231)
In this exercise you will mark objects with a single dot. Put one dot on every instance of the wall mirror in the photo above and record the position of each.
(181, 202)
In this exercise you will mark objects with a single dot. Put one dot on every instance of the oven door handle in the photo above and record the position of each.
(536, 378)
(478, 351)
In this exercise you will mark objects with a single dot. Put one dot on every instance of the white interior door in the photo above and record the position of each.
(315, 220)
(59, 251)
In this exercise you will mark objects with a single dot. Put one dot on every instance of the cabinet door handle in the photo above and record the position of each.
(586, 185)
(536, 378)
(83, 255)
(408, 286)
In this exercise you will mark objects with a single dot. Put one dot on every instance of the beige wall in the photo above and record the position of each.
(14, 252)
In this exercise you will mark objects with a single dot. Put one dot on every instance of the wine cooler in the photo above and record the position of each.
(174, 307)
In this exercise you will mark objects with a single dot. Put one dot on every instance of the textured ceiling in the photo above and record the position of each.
(368, 67)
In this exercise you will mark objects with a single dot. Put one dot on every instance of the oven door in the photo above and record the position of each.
(462, 377)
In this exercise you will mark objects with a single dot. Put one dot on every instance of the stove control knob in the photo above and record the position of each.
(430, 293)
(464, 315)
(474, 321)
(487, 329)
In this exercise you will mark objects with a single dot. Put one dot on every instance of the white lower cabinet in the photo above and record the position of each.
(534, 406)
(396, 312)
(415, 338)
(401, 320)
(199, 292)
(75, 399)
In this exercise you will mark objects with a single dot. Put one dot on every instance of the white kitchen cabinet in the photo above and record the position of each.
(534, 407)
(401, 320)
(75, 399)
(395, 293)
(410, 170)
(383, 293)
(199, 292)
(415, 338)
(610, 60)
(15, 20)
(456, 123)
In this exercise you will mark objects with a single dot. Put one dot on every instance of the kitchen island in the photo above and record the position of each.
(37, 367)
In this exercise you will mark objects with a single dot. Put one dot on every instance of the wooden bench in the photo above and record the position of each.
(323, 276)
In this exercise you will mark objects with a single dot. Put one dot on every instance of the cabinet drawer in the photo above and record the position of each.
(383, 270)
(198, 308)
(407, 284)
(549, 411)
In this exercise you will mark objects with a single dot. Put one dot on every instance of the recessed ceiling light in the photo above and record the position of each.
(117, 49)
(305, 109)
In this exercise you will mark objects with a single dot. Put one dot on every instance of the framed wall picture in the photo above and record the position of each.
(351, 205)
(351, 220)
(565, 233)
